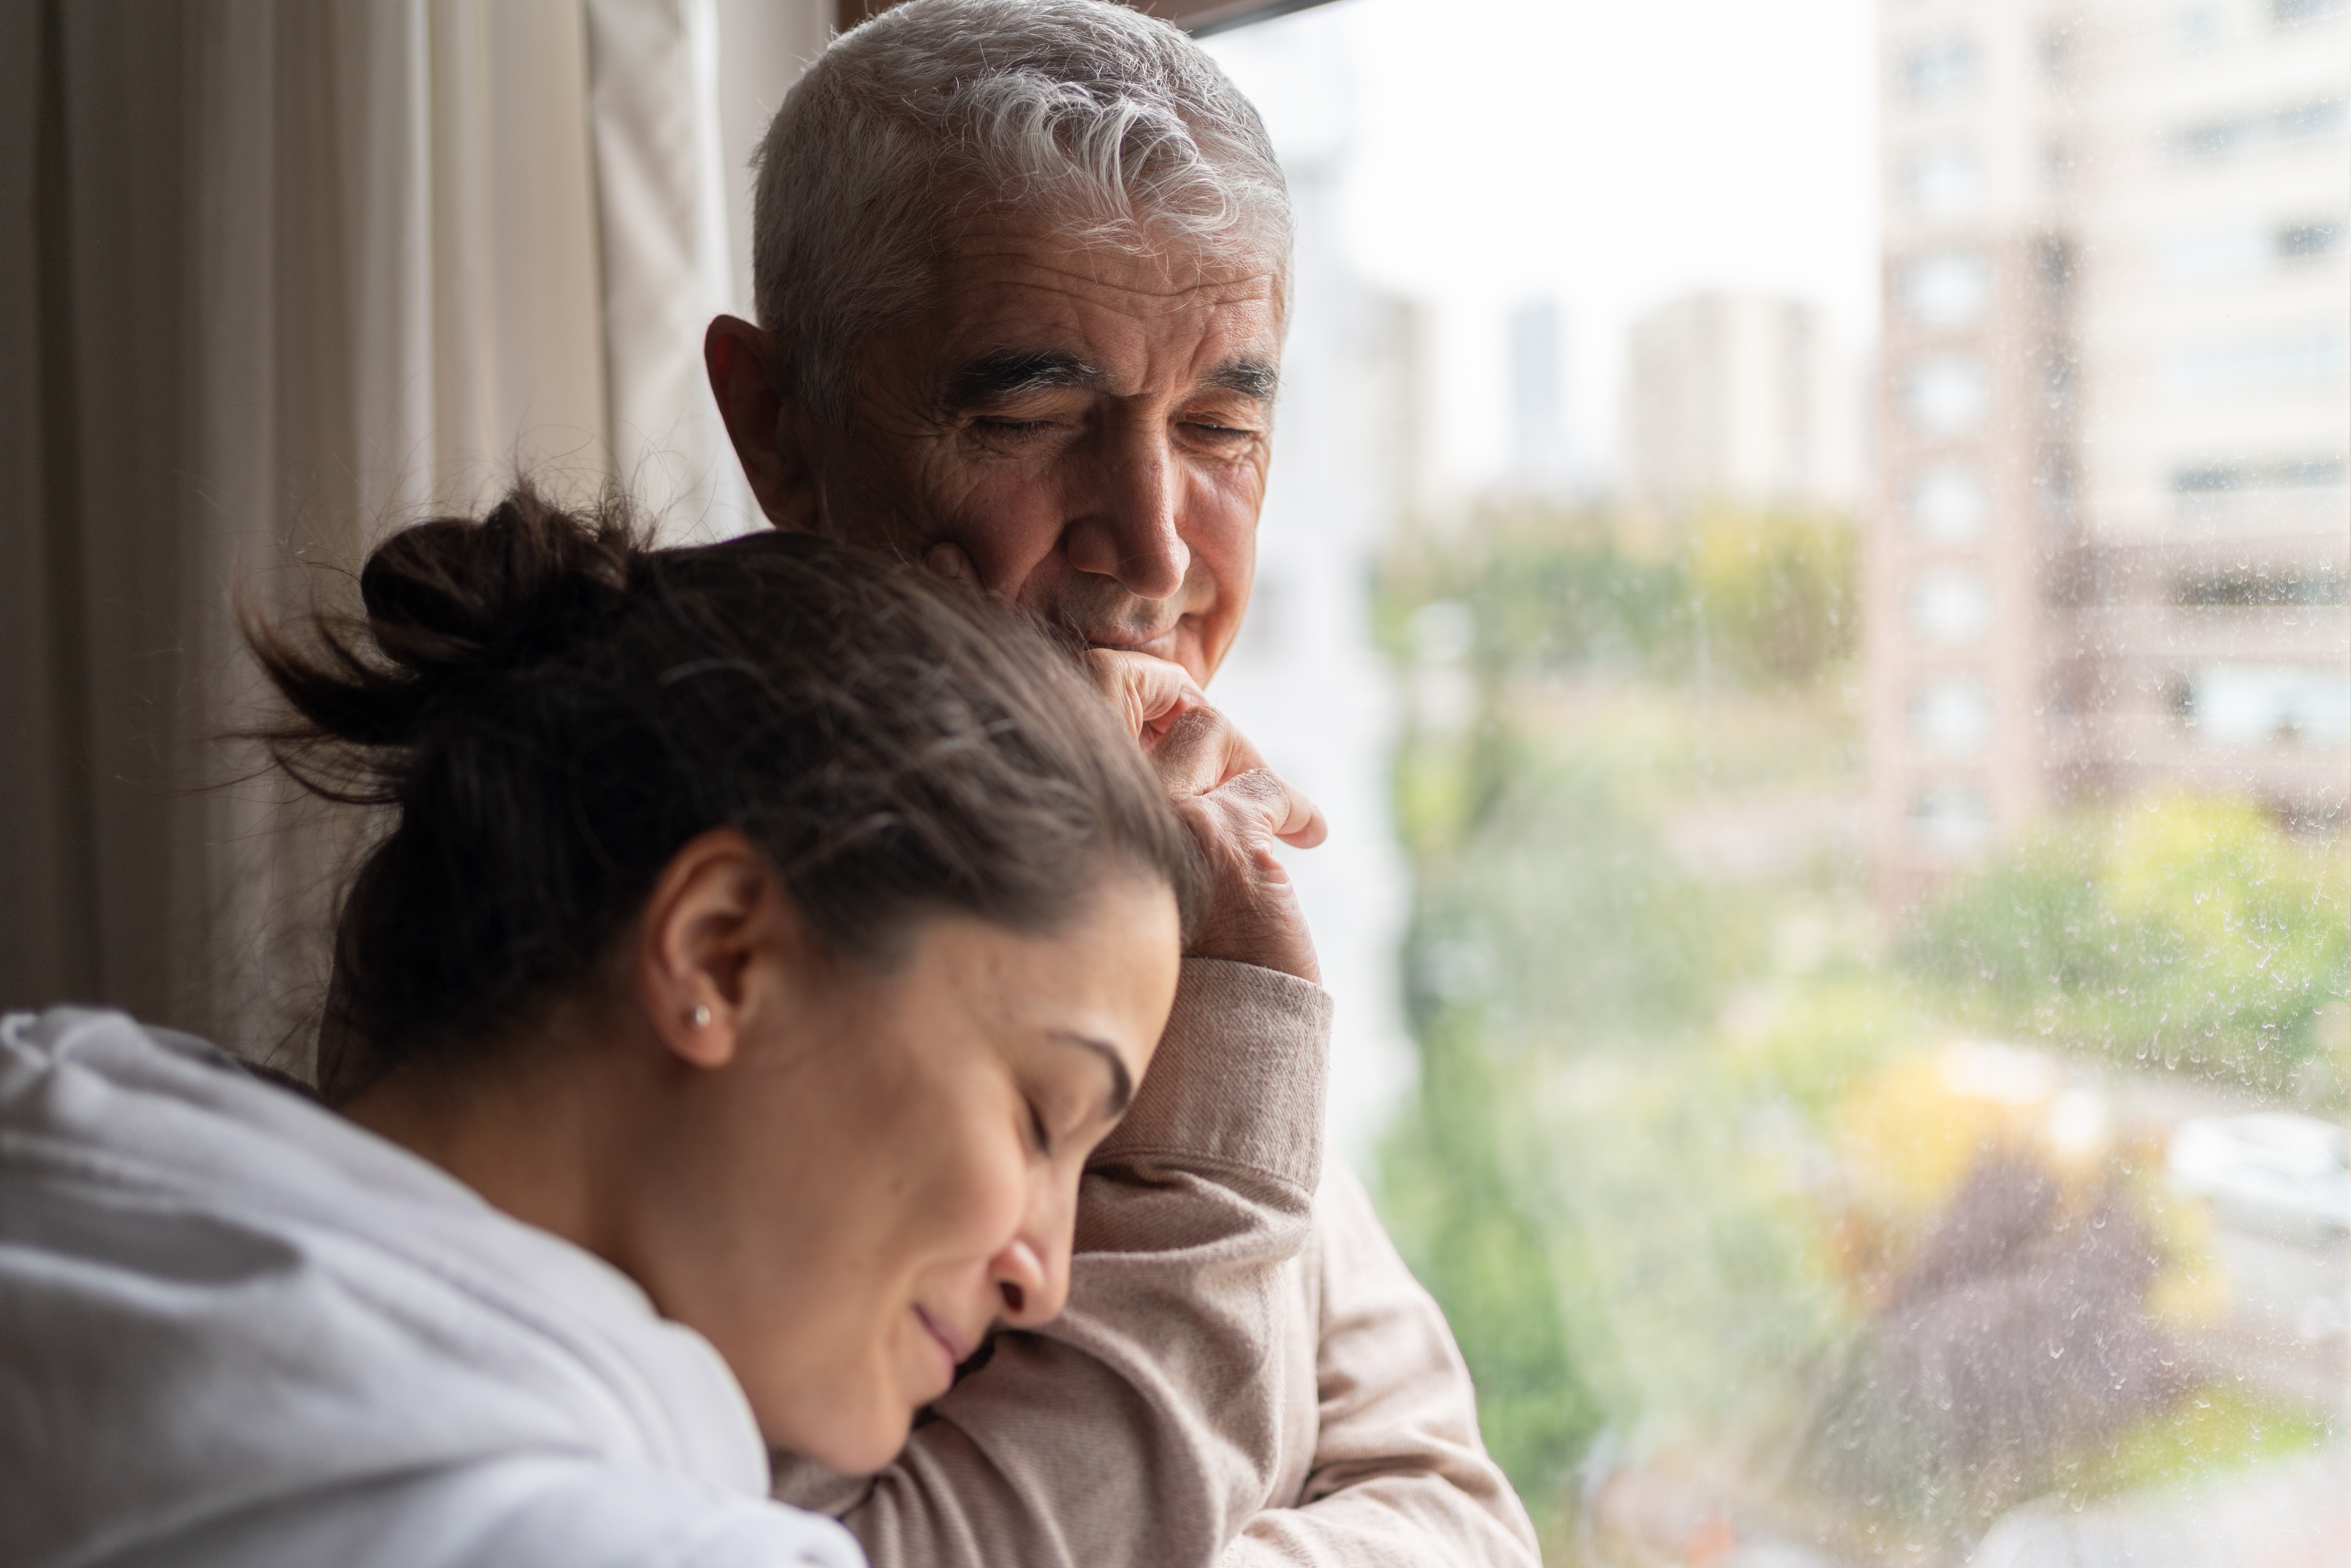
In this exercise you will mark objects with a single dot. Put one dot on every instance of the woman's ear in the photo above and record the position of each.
(716, 910)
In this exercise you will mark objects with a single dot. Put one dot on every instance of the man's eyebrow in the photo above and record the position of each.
(1007, 372)
(1122, 1085)
(1250, 378)
(1004, 373)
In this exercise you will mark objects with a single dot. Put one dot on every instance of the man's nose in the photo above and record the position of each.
(1130, 525)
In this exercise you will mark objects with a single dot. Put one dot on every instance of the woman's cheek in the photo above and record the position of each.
(995, 1182)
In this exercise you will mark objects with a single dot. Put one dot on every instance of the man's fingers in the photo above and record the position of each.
(1196, 749)
(1199, 750)
(1312, 828)
(1151, 693)
(1282, 806)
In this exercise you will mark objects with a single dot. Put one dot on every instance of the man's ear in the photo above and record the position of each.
(714, 924)
(765, 426)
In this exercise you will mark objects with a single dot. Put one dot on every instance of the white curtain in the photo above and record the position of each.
(276, 276)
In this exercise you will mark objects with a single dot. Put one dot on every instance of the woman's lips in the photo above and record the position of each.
(953, 1350)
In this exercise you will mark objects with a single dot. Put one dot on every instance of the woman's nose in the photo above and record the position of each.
(1031, 1280)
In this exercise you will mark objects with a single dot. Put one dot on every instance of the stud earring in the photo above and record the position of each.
(699, 1017)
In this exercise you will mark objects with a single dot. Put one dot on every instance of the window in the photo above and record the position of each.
(1943, 70)
(1948, 503)
(2307, 241)
(2306, 473)
(1947, 290)
(2272, 361)
(2267, 704)
(2292, 474)
(1951, 717)
(2201, 25)
(1950, 608)
(2245, 588)
(1947, 394)
(1944, 181)
(2308, 121)
(2294, 13)
(2233, 249)
(2211, 140)
(1951, 820)
(1838, 925)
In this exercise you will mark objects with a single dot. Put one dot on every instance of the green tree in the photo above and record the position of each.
(2183, 930)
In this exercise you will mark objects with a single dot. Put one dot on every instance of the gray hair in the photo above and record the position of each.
(1111, 123)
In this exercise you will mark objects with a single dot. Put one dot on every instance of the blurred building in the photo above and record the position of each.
(1398, 364)
(1736, 397)
(1537, 345)
(1305, 679)
(2109, 546)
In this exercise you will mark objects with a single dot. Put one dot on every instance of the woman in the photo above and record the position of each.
(719, 1030)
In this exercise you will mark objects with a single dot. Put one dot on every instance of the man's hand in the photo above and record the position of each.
(1234, 805)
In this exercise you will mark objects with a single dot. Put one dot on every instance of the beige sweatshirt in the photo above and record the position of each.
(1246, 1372)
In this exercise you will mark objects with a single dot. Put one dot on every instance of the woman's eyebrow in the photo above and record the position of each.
(1121, 1083)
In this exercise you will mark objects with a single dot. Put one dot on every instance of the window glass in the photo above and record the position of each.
(2308, 241)
(2256, 705)
(1947, 288)
(1951, 717)
(1941, 69)
(1814, 542)
(2308, 121)
(1948, 503)
(2266, 361)
(1950, 608)
(2229, 250)
(1947, 394)
(1943, 181)
(1951, 820)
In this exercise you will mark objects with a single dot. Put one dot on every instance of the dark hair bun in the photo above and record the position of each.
(554, 709)
(453, 596)
(451, 604)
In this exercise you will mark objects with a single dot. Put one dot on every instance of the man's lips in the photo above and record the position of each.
(1127, 642)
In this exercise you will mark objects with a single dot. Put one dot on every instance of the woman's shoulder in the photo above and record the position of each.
(222, 1286)
(531, 1512)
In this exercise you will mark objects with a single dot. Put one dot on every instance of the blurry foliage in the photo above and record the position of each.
(1668, 1167)
(2213, 1431)
(2183, 930)
(1749, 598)
(1451, 1205)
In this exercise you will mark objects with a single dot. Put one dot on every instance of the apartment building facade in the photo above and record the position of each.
(2109, 543)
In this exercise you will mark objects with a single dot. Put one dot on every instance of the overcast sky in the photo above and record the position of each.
(1612, 153)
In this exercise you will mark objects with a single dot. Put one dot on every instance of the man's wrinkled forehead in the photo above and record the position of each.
(1020, 308)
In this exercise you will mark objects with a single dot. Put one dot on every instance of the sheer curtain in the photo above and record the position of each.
(276, 275)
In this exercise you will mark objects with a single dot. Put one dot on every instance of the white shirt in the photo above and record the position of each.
(237, 1328)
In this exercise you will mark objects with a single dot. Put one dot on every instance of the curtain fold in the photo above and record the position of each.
(276, 276)
(662, 193)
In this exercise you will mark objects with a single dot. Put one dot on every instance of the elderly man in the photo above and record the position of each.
(1022, 279)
